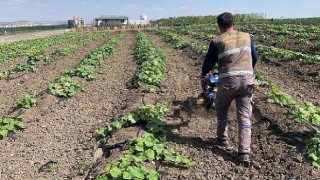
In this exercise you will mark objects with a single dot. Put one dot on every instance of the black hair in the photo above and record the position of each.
(225, 20)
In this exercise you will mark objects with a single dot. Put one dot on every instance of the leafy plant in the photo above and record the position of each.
(65, 51)
(64, 86)
(27, 101)
(151, 61)
(313, 146)
(127, 168)
(139, 151)
(9, 124)
(149, 148)
(83, 71)
(148, 114)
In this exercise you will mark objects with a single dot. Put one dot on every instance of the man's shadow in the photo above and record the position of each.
(189, 107)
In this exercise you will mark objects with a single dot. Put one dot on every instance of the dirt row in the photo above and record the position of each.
(290, 43)
(23, 60)
(21, 83)
(277, 140)
(59, 131)
(302, 81)
(32, 147)
(31, 35)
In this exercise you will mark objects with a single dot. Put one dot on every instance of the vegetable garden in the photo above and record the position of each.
(122, 105)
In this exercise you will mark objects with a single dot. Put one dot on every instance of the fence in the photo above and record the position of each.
(31, 28)
(124, 27)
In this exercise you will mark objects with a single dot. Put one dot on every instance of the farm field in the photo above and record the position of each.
(91, 92)
(29, 35)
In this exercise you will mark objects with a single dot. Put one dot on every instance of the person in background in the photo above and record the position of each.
(236, 56)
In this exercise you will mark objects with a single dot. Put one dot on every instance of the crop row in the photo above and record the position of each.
(268, 34)
(8, 124)
(17, 49)
(13, 50)
(179, 42)
(270, 51)
(150, 147)
(305, 112)
(151, 64)
(37, 55)
(65, 86)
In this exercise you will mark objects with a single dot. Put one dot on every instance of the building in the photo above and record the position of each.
(111, 20)
(76, 22)
(142, 21)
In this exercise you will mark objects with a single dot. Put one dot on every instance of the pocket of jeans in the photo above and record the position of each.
(228, 85)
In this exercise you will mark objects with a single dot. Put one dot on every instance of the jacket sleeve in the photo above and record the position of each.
(254, 53)
(210, 60)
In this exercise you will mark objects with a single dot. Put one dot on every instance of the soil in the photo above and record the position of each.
(290, 43)
(57, 141)
(31, 35)
(23, 60)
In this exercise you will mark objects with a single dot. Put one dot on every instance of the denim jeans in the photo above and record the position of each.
(238, 88)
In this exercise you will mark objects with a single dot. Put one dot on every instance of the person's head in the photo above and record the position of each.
(225, 21)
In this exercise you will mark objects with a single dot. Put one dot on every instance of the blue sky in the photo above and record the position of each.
(56, 10)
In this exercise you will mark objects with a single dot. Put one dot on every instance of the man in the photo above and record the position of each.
(236, 56)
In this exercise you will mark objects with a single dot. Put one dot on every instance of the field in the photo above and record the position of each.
(75, 102)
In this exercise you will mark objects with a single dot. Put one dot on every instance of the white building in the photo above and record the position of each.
(142, 21)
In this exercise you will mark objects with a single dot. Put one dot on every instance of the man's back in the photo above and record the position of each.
(234, 52)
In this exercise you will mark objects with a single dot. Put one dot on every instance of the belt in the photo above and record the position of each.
(235, 73)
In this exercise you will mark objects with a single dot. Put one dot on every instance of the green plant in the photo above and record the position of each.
(65, 51)
(139, 151)
(9, 124)
(151, 61)
(148, 114)
(127, 168)
(83, 71)
(149, 148)
(64, 86)
(313, 146)
(27, 101)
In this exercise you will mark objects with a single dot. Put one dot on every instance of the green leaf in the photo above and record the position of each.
(126, 175)
(158, 148)
(136, 172)
(132, 118)
(139, 147)
(3, 132)
(153, 175)
(115, 172)
(150, 154)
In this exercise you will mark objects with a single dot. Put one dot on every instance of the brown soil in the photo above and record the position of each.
(302, 81)
(23, 60)
(31, 35)
(21, 83)
(277, 153)
(298, 80)
(60, 130)
(291, 43)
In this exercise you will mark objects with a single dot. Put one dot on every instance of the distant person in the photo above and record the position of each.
(236, 56)
(5, 33)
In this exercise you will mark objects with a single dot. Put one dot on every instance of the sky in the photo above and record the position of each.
(61, 10)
